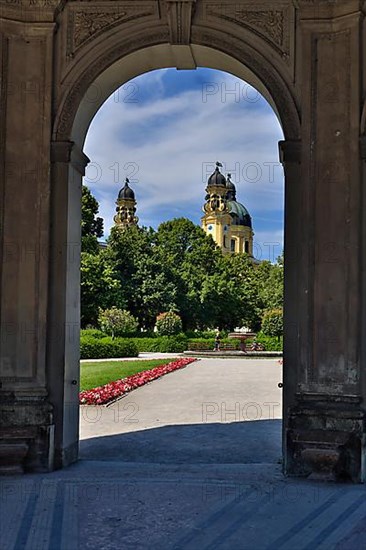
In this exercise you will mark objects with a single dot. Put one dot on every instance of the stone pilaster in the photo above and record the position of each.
(26, 420)
(290, 157)
(324, 420)
(63, 357)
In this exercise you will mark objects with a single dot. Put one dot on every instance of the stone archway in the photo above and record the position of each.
(292, 51)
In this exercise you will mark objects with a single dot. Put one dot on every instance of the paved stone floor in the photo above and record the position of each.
(190, 461)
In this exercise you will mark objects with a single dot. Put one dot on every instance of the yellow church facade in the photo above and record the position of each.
(225, 219)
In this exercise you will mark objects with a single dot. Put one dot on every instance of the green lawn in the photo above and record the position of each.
(94, 374)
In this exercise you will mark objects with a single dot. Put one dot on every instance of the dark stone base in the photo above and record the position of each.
(326, 440)
(67, 456)
(26, 436)
(12, 456)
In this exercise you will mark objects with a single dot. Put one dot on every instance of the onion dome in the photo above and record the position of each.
(239, 214)
(217, 178)
(126, 192)
(231, 189)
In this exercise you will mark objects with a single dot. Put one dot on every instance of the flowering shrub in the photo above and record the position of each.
(168, 324)
(116, 322)
(113, 390)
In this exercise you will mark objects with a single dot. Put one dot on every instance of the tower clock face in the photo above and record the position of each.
(225, 228)
(210, 228)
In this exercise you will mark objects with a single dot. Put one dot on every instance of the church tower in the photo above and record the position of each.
(225, 219)
(126, 207)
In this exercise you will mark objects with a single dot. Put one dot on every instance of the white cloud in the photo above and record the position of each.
(167, 143)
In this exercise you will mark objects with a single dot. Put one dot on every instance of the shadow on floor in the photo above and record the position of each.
(254, 442)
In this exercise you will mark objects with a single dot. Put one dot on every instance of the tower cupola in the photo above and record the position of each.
(126, 207)
(217, 179)
(231, 189)
(126, 191)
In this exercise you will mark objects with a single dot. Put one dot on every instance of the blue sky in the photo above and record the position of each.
(166, 129)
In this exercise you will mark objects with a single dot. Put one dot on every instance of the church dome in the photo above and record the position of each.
(231, 189)
(239, 214)
(217, 178)
(126, 192)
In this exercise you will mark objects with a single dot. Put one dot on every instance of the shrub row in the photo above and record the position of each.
(270, 343)
(92, 333)
(104, 348)
(162, 344)
(98, 346)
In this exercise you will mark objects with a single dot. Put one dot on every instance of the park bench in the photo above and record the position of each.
(199, 346)
(228, 347)
(205, 346)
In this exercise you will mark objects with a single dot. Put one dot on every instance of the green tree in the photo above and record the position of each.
(100, 287)
(189, 257)
(272, 322)
(229, 296)
(269, 278)
(142, 275)
(91, 225)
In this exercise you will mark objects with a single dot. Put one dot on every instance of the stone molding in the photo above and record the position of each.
(67, 151)
(290, 151)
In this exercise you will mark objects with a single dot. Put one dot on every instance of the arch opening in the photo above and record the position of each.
(139, 187)
(95, 92)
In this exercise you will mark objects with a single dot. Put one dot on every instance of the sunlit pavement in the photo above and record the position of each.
(191, 461)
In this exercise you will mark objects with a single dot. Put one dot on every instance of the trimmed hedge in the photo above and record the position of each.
(106, 348)
(92, 333)
(271, 343)
(162, 344)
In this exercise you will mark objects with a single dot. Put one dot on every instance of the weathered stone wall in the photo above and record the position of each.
(59, 61)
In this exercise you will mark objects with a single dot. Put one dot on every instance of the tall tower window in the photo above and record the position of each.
(247, 247)
(232, 245)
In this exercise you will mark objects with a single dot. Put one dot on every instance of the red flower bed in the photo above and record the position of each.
(109, 392)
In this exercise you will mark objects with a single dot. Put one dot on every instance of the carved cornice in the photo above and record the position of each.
(32, 4)
(323, 9)
(85, 23)
(180, 13)
(31, 10)
(271, 22)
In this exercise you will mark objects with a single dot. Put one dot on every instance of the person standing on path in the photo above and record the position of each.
(217, 340)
